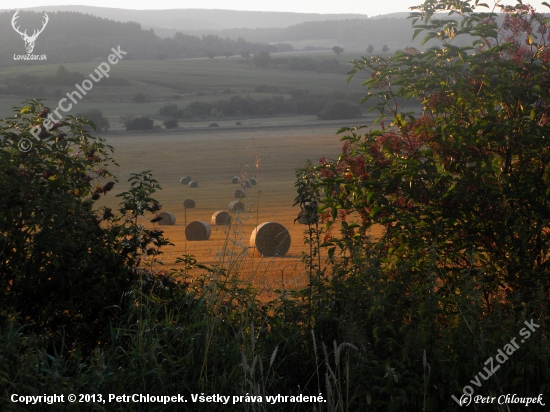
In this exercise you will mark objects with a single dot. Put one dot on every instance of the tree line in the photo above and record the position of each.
(301, 63)
(392, 30)
(325, 106)
(75, 37)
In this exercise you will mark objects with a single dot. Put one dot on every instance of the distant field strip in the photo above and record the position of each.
(202, 75)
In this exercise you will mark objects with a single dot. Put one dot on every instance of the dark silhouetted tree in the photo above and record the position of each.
(96, 116)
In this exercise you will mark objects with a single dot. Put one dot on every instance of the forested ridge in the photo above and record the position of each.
(71, 37)
(342, 30)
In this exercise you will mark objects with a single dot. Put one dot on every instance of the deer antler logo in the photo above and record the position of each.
(29, 40)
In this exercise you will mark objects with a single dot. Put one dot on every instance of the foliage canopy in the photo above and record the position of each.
(460, 192)
(468, 178)
(64, 265)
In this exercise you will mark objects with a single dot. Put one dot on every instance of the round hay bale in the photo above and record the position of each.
(270, 239)
(302, 217)
(246, 184)
(192, 183)
(221, 218)
(185, 180)
(239, 193)
(197, 230)
(235, 180)
(253, 181)
(188, 204)
(167, 218)
(236, 206)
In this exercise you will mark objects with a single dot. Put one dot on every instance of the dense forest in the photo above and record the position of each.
(74, 37)
(326, 107)
(343, 30)
(387, 30)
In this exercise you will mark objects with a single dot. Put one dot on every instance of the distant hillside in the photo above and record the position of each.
(312, 30)
(75, 37)
(355, 33)
(194, 19)
(397, 15)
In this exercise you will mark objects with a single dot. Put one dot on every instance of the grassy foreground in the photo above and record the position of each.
(346, 337)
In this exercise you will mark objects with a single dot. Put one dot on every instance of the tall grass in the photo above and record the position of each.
(360, 337)
(210, 334)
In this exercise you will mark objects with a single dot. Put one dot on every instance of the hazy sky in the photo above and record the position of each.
(370, 7)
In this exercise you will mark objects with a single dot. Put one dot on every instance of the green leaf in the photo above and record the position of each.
(428, 38)
(375, 211)
(417, 32)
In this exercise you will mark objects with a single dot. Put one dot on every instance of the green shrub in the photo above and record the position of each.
(64, 266)
(458, 194)
(96, 116)
(171, 110)
(138, 123)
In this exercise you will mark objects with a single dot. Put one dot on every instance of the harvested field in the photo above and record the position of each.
(270, 153)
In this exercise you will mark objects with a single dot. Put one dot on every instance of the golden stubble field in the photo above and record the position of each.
(212, 156)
